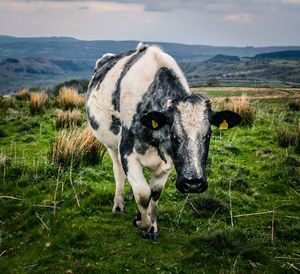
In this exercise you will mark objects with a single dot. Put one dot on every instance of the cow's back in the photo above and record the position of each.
(119, 85)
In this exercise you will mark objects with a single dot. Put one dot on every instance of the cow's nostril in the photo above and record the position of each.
(191, 186)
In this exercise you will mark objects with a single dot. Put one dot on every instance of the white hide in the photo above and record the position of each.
(100, 104)
(138, 79)
(193, 123)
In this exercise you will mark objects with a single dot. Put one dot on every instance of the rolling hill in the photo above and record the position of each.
(45, 61)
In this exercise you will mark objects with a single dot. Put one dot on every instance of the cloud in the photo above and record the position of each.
(83, 8)
(47, 5)
(242, 18)
(293, 2)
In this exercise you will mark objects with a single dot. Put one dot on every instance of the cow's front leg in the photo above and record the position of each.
(157, 184)
(120, 178)
(141, 192)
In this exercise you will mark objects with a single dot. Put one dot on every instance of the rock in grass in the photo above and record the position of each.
(2, 133)
(29, 139)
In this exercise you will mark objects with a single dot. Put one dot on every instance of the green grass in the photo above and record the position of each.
(45, 229)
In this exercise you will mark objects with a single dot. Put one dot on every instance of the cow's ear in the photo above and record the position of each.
(225, 119)
(154, 120)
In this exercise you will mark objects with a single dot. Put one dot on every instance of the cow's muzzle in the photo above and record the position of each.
(191, 185)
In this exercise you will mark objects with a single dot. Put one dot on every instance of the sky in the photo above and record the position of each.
(209, 22)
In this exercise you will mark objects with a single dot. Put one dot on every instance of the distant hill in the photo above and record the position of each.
(70, 48)
(271, 68)
(288, 55)
(221, 58)
(47, 61)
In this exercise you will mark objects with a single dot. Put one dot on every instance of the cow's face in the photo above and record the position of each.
(189, 123)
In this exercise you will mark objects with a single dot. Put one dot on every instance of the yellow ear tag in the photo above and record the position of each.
(223, 125)
(154, 124)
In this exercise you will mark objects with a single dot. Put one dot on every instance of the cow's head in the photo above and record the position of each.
(189, 128)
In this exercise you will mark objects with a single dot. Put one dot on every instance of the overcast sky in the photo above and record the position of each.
(211, 22)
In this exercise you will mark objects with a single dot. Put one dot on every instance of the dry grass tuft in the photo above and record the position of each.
(240, 105)
(23, 94)
(67, 119)
(69, 98)
(3, 159)
(7, 102)
(37, 102)
(286, 137)
(297, 147)
(294, 105)
(75, 147)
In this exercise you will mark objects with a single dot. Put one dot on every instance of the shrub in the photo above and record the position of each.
(69, 98)
(240, 105)
(75, 147)
(67, 119)
(23, 94)
(37, 102)
(294, 105)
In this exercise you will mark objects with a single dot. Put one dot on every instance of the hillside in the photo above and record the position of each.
(283, 55)
(271, 68)
(221, 58)
(48, 61)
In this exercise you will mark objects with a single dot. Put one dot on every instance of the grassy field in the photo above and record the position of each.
(58, 219)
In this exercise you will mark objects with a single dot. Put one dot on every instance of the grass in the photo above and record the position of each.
(7, 102)
(56, 218)
(69, 98)
(240, 105)
(294, 105)
(67, 119)
(23, 94)
(37, 102)
(76, 146)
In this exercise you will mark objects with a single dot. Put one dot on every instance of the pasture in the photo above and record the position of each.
(56, 215)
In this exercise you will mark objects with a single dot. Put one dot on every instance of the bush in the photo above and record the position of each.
(67, 119)
(75, 147)
(37, 102)
(68, 98)
(80, 85)
(23, 94)
(240, 105)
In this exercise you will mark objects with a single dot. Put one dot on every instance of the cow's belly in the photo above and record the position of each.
(106, 137)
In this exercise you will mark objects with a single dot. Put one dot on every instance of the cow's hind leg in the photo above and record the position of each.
(120, 178)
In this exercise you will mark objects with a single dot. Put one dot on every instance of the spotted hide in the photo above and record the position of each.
(140, 107)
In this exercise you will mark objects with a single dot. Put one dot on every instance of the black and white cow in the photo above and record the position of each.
(140, 107)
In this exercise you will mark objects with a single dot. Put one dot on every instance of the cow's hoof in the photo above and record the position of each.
(118, 209)
(149, 235)
(137, 219)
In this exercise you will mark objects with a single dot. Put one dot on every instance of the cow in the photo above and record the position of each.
(140, 107)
